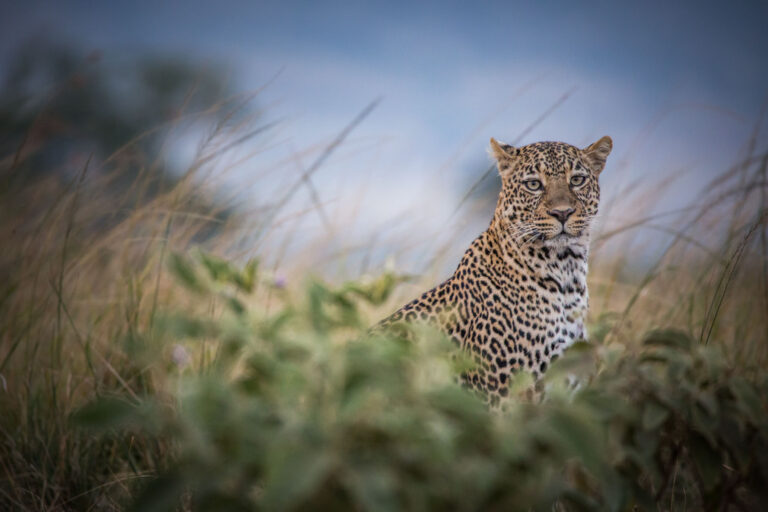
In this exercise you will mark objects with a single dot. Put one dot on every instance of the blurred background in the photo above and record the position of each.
(254, 94)
(179, 177)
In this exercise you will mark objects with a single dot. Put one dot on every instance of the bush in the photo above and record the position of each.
(301, 408)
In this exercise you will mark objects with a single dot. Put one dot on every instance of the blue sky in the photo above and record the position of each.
(676, 84)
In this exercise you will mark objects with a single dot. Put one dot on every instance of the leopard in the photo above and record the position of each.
(518, 297)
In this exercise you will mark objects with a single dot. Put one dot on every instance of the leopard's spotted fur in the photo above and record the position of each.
(519, 295)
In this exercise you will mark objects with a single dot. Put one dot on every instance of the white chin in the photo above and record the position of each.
(561, 240)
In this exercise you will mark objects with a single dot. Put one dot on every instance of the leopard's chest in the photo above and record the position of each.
(568, 302)
(538, 316)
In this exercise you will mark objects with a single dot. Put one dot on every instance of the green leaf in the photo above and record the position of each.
(246, 279)
(602, 326)
(676, 361)
(271, 328)
(184, 272)
(374, 488)
(761, 456)
(160, 495)
(704, 425)
(378, 290)
(578, 361)
(615, 490)
(520, 383)
(105, 413)
(183, 326)
(294, 472)
(654, 415)
(218, 270)
(707, 460)
(669, 338)
(572, 432)
(707, 400)
(747, 400)
(236, 306)
(220, 501)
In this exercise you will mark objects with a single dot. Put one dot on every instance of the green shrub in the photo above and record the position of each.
(293, 405)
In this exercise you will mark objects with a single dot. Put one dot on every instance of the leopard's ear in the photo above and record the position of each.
(596, 154)
(502, 152)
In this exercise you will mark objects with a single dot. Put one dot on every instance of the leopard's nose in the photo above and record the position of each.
(561, 215)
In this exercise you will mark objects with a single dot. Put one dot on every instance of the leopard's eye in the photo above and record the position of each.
(532, 185)
(577, 181)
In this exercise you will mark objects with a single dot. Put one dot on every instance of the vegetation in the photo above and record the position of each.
(145, 366)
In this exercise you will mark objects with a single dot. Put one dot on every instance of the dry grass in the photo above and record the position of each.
(83, 276)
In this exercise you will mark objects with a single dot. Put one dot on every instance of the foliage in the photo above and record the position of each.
(301, 408)
(132, 372)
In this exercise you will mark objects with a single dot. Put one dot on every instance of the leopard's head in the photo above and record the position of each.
(550, 191)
